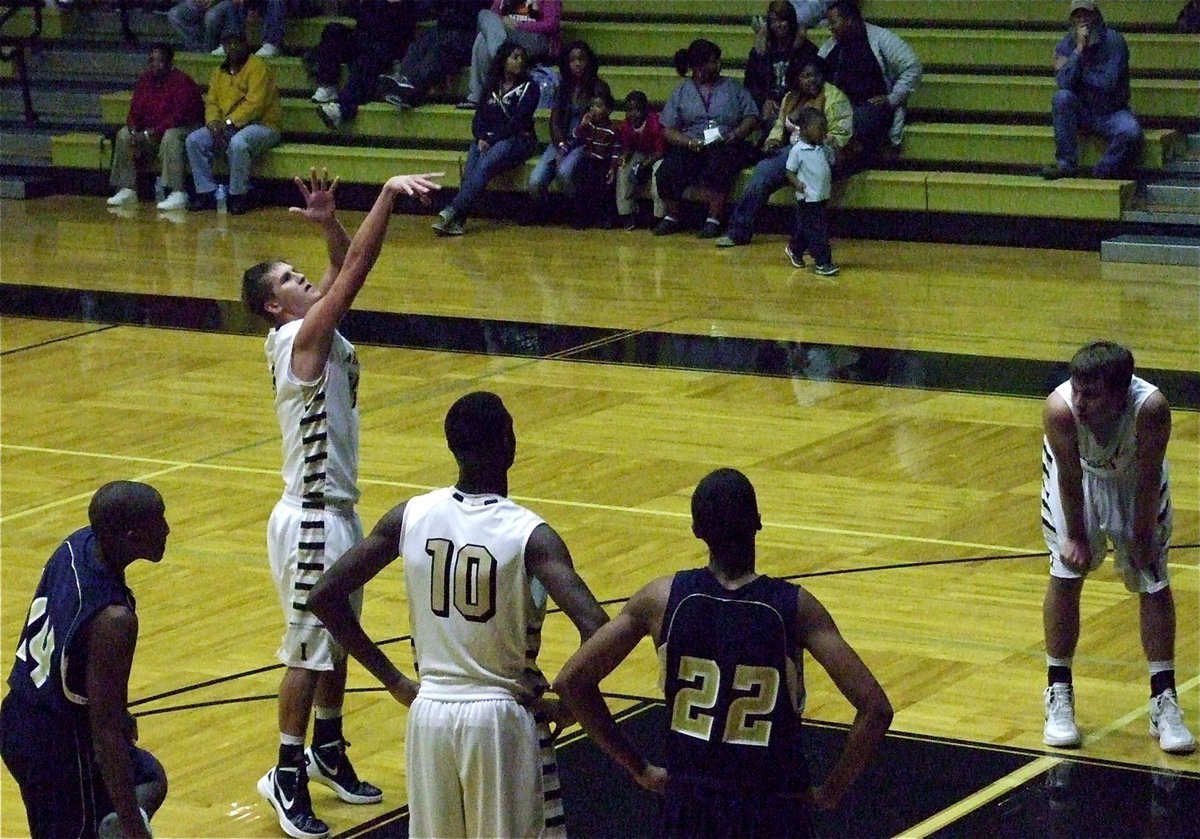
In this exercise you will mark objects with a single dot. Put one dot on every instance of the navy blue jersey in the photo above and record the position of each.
(48, 676)
(733, 685)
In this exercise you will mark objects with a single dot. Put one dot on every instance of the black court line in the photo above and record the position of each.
(916, 369)
(615, 601)
(49, 341)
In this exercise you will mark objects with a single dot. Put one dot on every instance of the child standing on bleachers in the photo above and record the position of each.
(596, 172)
(643, 145)
(808, 170)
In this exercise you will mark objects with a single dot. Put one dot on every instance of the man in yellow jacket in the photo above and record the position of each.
(242, 118)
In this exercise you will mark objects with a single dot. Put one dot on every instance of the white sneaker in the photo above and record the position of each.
(124, 195)
(330, 114)
(219, 52)
(177, 200)
(1060, 727)
(1166, 724)
(325, 94)
(267, 51)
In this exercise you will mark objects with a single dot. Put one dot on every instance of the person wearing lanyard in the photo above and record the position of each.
(706, 121)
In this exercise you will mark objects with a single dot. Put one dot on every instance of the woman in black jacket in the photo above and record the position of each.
(503, 133)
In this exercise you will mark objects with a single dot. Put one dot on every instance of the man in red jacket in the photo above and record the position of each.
(166, 105)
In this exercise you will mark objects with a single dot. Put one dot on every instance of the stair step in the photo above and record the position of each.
(1175, 193)
(1158, 214)
(24, 148)
(1152, 250)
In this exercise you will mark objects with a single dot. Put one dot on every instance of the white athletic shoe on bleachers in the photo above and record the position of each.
(1166, 724)
(324, 93)
(267, 51)
(177, 200)
(1060, 727)
(219, 52)
(125, 195)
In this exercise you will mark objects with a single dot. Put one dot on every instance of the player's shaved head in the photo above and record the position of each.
(725, 508)
(121, 506)
(477, 426)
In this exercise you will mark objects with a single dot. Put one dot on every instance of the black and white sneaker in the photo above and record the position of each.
(329, 765)
(286, 788)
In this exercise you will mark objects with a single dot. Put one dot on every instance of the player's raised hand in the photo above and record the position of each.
(416, 185)
(319, 204)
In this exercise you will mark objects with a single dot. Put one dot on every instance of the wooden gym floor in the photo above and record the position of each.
(889, 418)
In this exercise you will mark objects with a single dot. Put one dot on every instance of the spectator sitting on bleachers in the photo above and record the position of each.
(596, 173)
(242, 115)
(201, 24)
(878, 71)
(579, 86)
(707, 121)
(274, 16)
(807, 88)
(534, 24)
(1091, 68)
(503, 133)
(382, 29)
(437, 54)
(776, 45)
(643, 145)
(166, 106)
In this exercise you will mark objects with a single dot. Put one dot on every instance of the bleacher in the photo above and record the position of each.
(978, 123)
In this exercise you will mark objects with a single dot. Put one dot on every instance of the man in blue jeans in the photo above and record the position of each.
(1091, 66)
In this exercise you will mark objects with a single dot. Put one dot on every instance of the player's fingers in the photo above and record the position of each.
(303, 187)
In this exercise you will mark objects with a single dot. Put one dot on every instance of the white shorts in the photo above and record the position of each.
(303, 541)
(480, 768)
(1108, 517)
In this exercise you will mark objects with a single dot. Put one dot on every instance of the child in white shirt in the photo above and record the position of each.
(808, 171)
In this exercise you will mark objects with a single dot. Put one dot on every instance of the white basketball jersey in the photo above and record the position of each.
(1115, 460)
(476, 613)
(318, 419)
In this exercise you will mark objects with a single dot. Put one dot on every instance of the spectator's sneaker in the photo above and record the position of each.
(124, 195)
(826, 270)
(628, 222)
(203, 201)
(329, 765)
(710, 230)
(330, 114)
(1058, 170)
(324, 93)
(396, 85)
(728, 241)
(287, 791)
(1060, 727)
(177, 200)
(1166, 724)
(797, 259)
(267, 51)
(447, 224)
(466, 105)
(667, 226)
(219, 52)
(397, 101)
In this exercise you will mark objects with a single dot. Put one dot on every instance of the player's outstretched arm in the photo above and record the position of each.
(1062, 435)
(330, 602)
(310, 349)
(111, 639)
(320, 208)
(874, 712)
(578, 683)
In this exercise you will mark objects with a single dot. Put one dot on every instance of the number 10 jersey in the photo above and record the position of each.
(475, 611)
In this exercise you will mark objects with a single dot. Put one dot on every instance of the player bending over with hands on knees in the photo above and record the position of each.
(731, 642)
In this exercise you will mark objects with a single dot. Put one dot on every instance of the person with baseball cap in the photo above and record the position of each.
(1091, 67)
